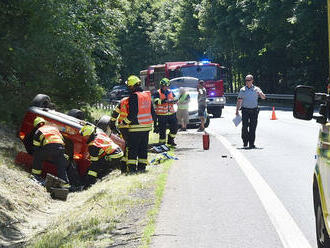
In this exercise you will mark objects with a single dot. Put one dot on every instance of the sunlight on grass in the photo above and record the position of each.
(92, 215)
(149, 230)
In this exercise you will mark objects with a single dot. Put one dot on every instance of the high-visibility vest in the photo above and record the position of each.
(106, 145)
(124, 103)
(50, 135)
(165, 108)
(144, 113)
(180, 103)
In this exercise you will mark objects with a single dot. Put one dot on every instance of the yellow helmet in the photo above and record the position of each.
(133, 80)
(38, 120)
(86, 130)
(165, 82)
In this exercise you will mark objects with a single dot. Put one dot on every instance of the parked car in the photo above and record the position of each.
(118, 92)
(189, 86)
(69, 125)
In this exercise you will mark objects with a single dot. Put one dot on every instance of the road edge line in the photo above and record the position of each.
(287, 229)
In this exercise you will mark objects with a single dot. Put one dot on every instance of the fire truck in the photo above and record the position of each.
(213, 75)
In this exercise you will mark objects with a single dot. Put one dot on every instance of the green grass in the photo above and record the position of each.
(88, 218)
(149, 230)
(93, 214)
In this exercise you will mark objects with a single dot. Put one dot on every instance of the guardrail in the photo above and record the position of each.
(106, 104)
(109, 105)
(269, 96)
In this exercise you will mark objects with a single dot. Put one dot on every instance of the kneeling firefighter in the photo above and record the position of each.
(164, 100)
(104, 154)
(48, 144)
(140, 118)
(118, 115)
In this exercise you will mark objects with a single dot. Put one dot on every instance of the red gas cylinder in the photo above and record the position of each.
(206, 141)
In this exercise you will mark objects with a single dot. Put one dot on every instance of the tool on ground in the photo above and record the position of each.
(159, 148)
(162, 158)
(56, 187)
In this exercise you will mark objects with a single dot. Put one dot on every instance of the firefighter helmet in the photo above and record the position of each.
(38, 120)
(132, 81)
(165, 82)
(87, 129)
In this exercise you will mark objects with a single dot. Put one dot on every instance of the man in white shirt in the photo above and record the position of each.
(247, 101)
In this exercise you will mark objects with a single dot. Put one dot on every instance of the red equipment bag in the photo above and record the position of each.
(206, 141)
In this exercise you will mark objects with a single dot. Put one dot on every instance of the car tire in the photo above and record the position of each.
(103, 123)
(207, 122)
(41, 100)
(217, 113)
(322, 236)
(77, 114)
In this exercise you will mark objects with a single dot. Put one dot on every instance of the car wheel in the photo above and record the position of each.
(77, 114)
(217, 113)
(41, 100)
(322, 236)
(103, 123)
(207, 122)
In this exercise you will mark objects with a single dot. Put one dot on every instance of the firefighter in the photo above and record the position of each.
(49, 145)
(164, 102)
(104, 154)
(140, 118)
(118, 115)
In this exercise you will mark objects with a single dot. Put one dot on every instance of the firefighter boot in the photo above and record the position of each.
(123, 167)
(141, 168)
(38, 179)
(170, 141)
(54, 182)
(131, 169)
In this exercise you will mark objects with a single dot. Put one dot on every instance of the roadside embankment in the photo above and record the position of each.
(117, 211)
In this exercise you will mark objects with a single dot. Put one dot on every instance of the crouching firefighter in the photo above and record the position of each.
(140, 118)
(118, 115)
(164, 107)
(104, 154)
(49, 145)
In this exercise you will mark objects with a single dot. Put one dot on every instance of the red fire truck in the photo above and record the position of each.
(213, 74)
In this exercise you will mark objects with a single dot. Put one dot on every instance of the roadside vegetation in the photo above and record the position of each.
(75, 51)
(118, 210)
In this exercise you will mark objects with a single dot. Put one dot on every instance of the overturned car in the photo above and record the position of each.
(76, 147)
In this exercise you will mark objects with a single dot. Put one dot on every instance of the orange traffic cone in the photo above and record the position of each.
(273, 115)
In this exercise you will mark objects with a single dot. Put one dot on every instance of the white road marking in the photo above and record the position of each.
(287, 229)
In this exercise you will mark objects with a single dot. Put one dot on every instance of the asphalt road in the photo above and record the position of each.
(232, 197)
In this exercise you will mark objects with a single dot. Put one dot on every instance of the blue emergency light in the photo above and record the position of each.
(205, 61)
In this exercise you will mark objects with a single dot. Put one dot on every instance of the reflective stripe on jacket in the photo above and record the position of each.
(123, 111)
(50, 134)
(104, 143)
(144, 113)
(164, 108)
(183, 102)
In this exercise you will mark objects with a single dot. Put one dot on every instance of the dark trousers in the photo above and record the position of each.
(101, 168)
(163, 120)
(249, 125)
(55, 154)
(137, 152)
(124, 133)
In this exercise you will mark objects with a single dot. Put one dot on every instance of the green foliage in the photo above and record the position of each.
(74, 51)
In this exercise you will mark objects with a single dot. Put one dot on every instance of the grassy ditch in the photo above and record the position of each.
(117, 211)
(98, 216)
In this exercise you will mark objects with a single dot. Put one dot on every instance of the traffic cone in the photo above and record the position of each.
(273, 115)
